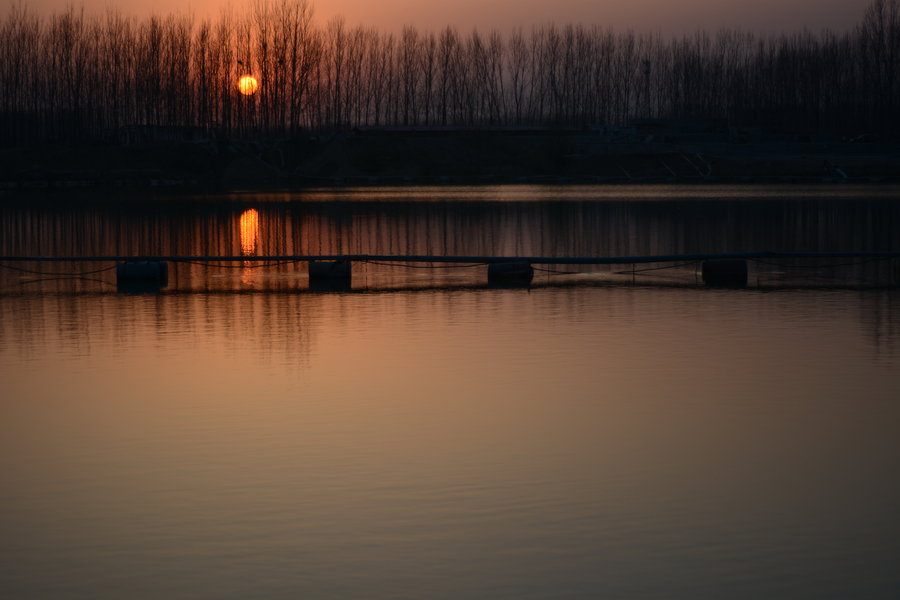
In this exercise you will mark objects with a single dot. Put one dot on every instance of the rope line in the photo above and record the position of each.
(557, 271)
(43, 279)
(828, 266)
(58, 275)
(632, 271)
(211, 265)
(428, 266)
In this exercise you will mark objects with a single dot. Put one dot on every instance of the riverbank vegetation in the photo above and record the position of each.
(77, 77)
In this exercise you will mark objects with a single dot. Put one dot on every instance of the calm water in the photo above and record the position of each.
(422, 436)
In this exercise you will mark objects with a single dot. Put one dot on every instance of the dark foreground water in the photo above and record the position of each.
(423, 436)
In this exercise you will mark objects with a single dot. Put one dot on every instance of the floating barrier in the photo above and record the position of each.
(143, 270)
(725, 273)
(142, 276)
(334, 272)
(510, 273)
(330, 275)
(329, 269)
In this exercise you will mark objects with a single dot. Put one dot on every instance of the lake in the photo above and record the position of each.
(606, 432)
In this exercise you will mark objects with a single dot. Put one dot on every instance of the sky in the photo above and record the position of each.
(643, 15)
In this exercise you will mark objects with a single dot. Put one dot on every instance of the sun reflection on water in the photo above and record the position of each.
(249, 223)
(249, 231)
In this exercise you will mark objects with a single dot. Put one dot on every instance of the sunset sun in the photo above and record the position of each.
(248, 85)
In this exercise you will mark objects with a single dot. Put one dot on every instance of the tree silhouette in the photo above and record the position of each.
(75, 77)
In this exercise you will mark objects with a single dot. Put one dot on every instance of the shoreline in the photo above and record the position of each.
(461, 158)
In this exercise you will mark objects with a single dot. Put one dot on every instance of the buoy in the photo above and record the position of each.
(725, 273)
(142, 276)
(513, 273)
(327, 275)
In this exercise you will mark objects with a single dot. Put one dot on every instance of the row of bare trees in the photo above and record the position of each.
(71, 76)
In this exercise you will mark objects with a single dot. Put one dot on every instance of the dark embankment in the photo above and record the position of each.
(379, 157)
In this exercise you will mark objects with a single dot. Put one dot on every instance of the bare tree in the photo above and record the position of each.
(73, 76)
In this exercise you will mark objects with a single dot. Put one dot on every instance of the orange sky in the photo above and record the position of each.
(665, 15)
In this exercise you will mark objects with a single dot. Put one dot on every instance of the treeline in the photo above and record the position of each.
(74, 77)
